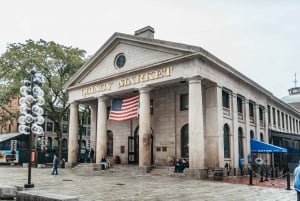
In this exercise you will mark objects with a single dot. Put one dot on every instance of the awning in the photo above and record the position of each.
(7, 136)
(262, 147)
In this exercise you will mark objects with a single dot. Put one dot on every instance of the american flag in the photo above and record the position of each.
(124, 108)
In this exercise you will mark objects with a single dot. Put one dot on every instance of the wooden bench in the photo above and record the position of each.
(33, 195)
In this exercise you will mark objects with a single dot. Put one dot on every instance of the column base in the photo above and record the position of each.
(197, 173)
(70, 165)
(145, 169)
(28, 185)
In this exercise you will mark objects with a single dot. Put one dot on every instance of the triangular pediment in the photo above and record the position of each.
(138, 52)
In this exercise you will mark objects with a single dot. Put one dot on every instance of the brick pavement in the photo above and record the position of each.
(98, 186)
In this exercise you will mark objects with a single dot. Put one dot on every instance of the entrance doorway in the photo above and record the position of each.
(133, 147)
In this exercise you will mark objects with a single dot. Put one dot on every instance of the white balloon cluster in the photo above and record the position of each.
(30, 106)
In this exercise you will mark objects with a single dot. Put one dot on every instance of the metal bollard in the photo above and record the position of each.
(261, 175)
(272, 172)
(288, 181)
(250, 177)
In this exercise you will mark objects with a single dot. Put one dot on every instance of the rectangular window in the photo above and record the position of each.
(66, 116)
(290, 124)
(261, 113)
(278, 118)
(240, 104)
(49, 126)
(65, 128)
(287, 121)
(269, 114)
(282, 119)
(184, 102)
(225, 98)
(294, 125)
(251, 109)
(88, 131)
(274, 116)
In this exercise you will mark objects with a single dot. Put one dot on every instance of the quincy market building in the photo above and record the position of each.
(191, 105)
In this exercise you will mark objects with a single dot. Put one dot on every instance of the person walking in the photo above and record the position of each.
(92, 152)
(55, 164)
(297, 181)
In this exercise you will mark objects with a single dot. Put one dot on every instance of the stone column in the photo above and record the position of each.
(276, 122)
(196, 132)
(93, 127)
(235, 140)
(266, 124)
(247, 128)
(257, 122)
(214, 153)
(144, 129)
(271, 118)
(101, 145)
(73, 135)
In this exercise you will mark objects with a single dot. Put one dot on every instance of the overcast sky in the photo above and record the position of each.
(259, 38)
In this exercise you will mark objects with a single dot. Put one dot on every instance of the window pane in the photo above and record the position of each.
(240, 104)
(225, 99)
(184, 102)
(226, 141)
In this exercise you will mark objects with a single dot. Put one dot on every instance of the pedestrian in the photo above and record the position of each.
(228, 168)
(55, 164)
(178, 165)
(103, 163)
(297, 181)
(241, 165)
(86, 154)
(92, 152)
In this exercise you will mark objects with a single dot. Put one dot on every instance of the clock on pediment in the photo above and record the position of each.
(120, 60)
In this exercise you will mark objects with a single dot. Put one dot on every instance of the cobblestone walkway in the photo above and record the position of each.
(134, 187)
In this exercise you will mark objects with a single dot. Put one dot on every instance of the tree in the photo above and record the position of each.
(56, 63)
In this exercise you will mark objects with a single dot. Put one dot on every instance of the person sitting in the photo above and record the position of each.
(178, 166)
(103, 163)
(184, 165)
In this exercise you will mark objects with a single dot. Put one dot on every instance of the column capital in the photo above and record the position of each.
(74, 104)
(102, 98)
(145, 90)
(195, 79)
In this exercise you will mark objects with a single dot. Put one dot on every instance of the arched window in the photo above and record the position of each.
(110, 143)
(185, 141)
(261, 137)
(251, 134)
(226, 141)
(240, 139)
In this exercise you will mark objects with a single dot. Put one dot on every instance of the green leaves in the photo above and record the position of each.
(55, 62)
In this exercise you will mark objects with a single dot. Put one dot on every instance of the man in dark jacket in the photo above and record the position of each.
(55, 164)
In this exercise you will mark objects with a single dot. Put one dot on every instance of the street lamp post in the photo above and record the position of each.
(31, 113)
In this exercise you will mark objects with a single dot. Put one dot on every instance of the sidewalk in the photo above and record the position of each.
(108, 186)
(256, 181)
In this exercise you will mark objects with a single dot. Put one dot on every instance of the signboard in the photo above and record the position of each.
(7, 156)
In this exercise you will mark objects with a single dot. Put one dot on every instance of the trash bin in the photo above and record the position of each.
(218, 174)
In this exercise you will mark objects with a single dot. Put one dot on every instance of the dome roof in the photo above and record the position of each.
(291, 98)
(294, 96)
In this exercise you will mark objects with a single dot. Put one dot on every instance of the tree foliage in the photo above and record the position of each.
(56, 63)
